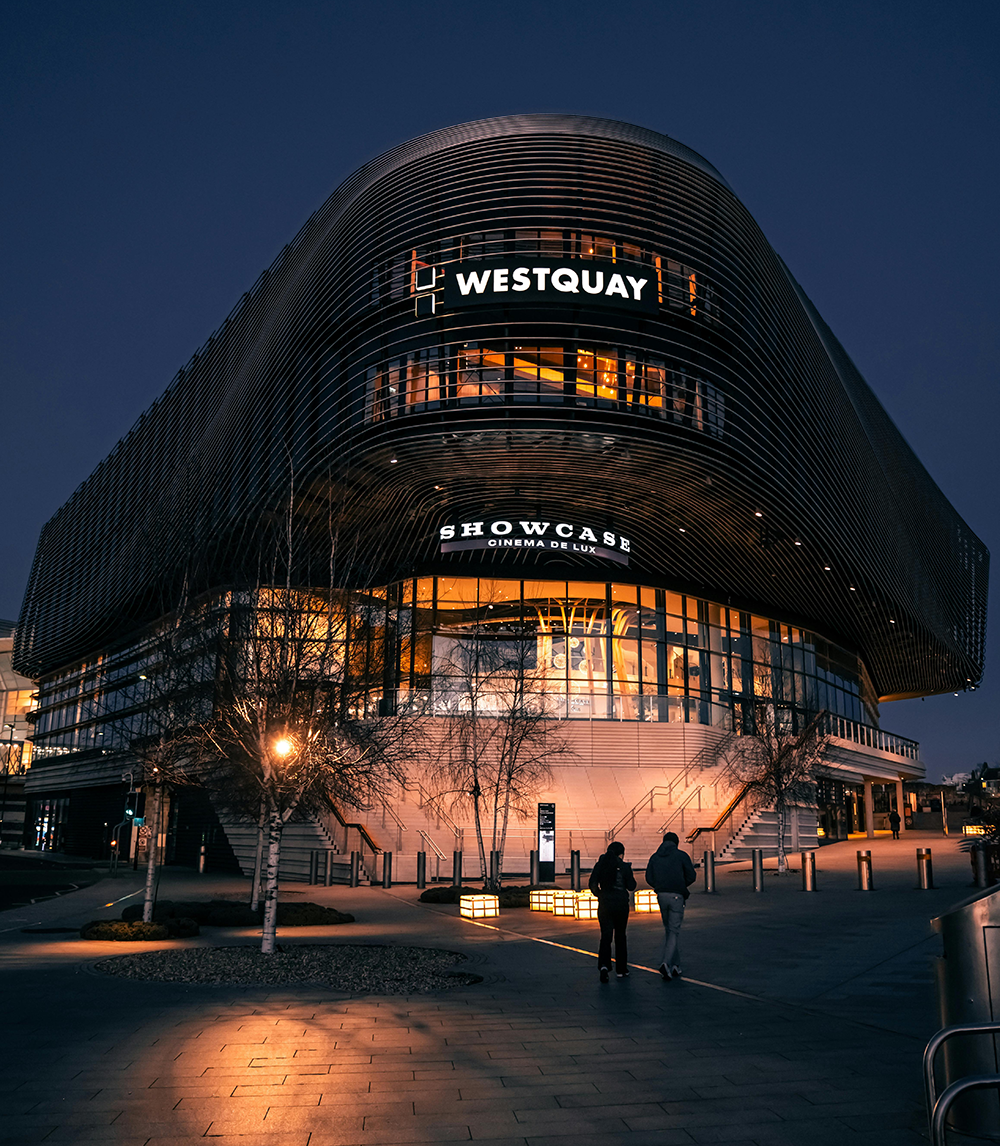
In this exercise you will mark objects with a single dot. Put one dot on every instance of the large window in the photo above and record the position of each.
(601, 650)
(507, 373)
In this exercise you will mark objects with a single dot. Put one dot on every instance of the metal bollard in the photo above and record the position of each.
(866, 879)
(355, 869)
(456, 869)
(925, 869)
(758, 869)
(387, 869)
(980, 867)
(421, 869)
(808, 871)
(313, 866)
(329, 867)
(574, 870)
(494, 868)
(534, 877)
(708, 862)
(201, 857)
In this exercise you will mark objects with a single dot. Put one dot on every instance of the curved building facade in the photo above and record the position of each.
(545, 370)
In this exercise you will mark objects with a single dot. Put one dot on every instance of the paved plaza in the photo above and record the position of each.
(800, 1023)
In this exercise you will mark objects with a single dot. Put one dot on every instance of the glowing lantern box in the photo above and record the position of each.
(586, 905)
(541, 900)
(645, 900)
(479, 906)
(564, 904)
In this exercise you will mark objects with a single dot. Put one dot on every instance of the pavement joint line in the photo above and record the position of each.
(694, 982)
(874, 966)
(589, 954)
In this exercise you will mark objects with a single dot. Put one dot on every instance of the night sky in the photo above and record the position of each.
(158, 156)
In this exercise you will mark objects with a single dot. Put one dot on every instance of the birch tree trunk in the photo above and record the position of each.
(270, 925)
(152, 848)
(258, 858)
(782, 861)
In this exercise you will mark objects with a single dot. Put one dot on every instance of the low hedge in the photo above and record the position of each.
(120, 931)
(226, 913)
(509, 896)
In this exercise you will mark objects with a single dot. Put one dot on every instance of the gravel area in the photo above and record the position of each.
(359, 969)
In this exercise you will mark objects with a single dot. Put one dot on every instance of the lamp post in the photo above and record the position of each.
(6, 773)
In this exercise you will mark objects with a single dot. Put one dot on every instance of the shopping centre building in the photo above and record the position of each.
(549, 381)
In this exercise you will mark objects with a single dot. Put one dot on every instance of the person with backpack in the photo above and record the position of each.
(669, 872)
(611, 881)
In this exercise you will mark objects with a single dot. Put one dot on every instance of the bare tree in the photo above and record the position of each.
(160, 711)
(775, 763)
(498, 735)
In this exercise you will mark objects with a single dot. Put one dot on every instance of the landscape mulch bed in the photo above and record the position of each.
(354, 968)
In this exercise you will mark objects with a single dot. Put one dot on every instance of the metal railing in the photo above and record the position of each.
(938, 1106)
(725, 823)
(864, 734)
(682, 809)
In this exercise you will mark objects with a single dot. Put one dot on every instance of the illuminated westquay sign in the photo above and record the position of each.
(627, 286)
(560, 537)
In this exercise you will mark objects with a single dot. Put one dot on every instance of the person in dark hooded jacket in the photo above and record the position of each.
(669, 872)
(611, 881)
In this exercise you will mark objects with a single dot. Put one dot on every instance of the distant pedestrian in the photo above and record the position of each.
(669, 872)
(894, 823)
(611, 881)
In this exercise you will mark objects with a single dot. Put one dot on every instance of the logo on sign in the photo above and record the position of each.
(551, 536)
(628, 286)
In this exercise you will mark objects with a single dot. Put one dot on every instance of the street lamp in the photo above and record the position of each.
(6, 773)
(283, 747)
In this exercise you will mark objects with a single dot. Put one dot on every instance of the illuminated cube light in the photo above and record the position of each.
(586, 905)
(973, 830)
(479, 906)
(541, 900)
(564, 904)
(645, 900)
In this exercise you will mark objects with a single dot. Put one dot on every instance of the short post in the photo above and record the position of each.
(866, 879)
(387, 869)
(313, 866)
(355, 869)
(201, 856)
(421, 869)
(758, 869)
(534, 877)
(925, 870)
(808, 871)
(708, 862)
(574, 870)
(456, 869)
(329, 867)
(980, 866)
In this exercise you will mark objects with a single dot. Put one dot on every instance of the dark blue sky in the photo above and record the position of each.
(157, 156)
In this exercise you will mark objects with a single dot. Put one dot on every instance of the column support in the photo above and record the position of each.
(869, 809)
(900, 805)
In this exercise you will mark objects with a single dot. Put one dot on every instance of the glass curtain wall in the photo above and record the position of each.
(609, 651)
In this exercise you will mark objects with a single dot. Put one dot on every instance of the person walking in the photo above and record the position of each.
(669, 872)
(894, 823)
(611, 881)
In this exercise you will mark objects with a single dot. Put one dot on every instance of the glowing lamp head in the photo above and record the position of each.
(282, 747)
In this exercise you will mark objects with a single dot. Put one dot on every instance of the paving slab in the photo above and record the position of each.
(801, 1022)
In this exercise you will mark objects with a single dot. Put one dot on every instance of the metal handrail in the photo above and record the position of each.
(943, 1104)
(432, 801)
(679, 810)
(724, 815)
(428, 841)
(935, 1105)
(656, 790)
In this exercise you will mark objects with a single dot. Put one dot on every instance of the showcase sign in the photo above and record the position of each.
(550, 536)
(627, 286)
